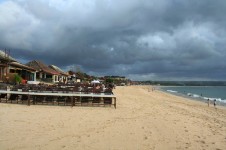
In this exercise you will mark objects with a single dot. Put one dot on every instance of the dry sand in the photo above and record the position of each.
(143, 120)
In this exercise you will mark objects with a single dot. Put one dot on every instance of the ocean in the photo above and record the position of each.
(202, 93)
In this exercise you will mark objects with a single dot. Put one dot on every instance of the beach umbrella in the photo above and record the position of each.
(95, 81)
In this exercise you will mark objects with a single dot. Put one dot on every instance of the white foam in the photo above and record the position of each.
(195, 95)
(201, 97)
(217, 99)
(189, 94)
(172, 91)
(223, 101)
(206, 98)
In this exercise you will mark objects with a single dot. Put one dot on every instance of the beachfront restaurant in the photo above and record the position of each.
(4, 60)
(62, 77)
(27, 73)
(9, 66)
(44, 73)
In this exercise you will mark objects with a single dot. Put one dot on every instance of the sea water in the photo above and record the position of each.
(217, 93)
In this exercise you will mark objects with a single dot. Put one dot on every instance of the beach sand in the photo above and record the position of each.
(144, 119)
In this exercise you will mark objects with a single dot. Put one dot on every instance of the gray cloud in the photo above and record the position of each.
(141, 39)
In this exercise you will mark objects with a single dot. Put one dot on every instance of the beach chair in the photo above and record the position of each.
(3, 96)
(97, 91)
(38, 99)
(49, 100)
(24, 98)
(77, 100)
(61, 100)
(69, 101)
(13, 98)
(49, 89)
(76, 89)
(67, 90)
(96, 101)
(107, 101)
(59, 90)
(85, 100)
(108, 91)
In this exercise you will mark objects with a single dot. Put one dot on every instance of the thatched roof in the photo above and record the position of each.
(19, 65)
(12, 62)
(39, 66)
(80, 75)
(57, 69)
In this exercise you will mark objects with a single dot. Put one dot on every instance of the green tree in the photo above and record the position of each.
(109, 80)
(17, 78)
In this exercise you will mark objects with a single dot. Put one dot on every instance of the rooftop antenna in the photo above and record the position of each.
(7, 52)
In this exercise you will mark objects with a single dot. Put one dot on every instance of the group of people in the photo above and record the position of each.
(214, 102)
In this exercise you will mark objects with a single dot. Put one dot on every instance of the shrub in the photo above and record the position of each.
(109, 80)
(17, 78)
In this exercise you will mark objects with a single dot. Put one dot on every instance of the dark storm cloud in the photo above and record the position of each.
(141, 39)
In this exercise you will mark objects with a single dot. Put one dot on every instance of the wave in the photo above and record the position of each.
(206, 93)
(171, 91)
(206, 98)
(193, 95)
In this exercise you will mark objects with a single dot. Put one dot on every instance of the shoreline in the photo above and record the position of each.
(200, 99)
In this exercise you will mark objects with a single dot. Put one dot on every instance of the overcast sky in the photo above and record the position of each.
(139, 39)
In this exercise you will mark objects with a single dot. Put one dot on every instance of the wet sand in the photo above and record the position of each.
(143, 120)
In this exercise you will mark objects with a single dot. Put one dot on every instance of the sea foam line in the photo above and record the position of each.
(199, 96)
(172, 91)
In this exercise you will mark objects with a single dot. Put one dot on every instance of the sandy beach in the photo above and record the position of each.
(144, 119)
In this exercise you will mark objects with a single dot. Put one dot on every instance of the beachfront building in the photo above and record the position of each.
(9, 67)
(27, 73)
(4, 60)
(63, 77)
(74, 77)
(44, 73)
(79, 77)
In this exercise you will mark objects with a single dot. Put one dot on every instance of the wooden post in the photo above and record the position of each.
(101, 101)
(72, 99)
(7, 95)
(28, 100)
(34, 99)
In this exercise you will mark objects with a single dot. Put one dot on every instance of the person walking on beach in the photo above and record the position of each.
(208, 102)
(215, 103)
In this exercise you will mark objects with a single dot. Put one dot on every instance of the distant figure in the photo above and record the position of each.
(208, 102)
(215, 103)
(102, 86)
